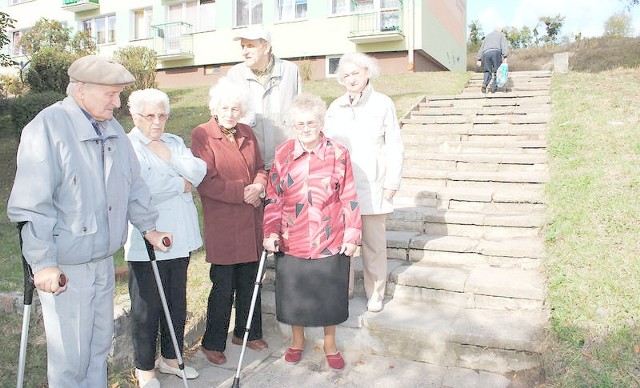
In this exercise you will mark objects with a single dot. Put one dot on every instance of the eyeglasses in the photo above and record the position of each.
(152, 117)
(308, 124)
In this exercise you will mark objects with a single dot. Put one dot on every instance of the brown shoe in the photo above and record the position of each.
(257, 345)
(214, 356)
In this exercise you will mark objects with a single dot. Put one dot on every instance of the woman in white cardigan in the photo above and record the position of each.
(171, 172)
(365, 121)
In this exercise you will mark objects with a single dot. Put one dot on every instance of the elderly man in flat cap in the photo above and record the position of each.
(77, 183)
(273, 83)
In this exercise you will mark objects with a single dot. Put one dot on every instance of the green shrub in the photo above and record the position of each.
(48, 70)
(141, 62)
(24, 109)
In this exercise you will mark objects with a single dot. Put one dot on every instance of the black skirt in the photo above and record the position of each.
(312, 293)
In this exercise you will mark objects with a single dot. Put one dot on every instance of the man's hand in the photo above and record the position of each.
(478, 63)
(155, 238)
(50, 279)
(388, 194)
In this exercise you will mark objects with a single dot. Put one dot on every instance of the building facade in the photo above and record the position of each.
(194, 42)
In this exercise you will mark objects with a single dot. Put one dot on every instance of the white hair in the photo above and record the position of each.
(364, 61)
(230, 90)
(145, 97)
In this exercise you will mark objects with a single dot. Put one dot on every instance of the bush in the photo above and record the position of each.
(24, 109)
(48, 70)
(141, 62)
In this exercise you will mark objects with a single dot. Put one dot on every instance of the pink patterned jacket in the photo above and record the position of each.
(312, 205)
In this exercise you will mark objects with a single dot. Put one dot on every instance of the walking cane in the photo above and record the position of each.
(256, 288)
(29, 287)
(152, 257)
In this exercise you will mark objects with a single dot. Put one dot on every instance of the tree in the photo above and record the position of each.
(5, 23)
(618, 25)
(475, 33)
(631, 3)
(553, 25)
(51, 48)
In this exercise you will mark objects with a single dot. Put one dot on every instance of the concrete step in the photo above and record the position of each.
(475, 176)
(468, 287)
(468, 223)
(500, 146)
(481, 101)
(517, 163)
(488, 340)
(463, 132)
(528, 118)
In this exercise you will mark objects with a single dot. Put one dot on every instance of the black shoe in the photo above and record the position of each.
(483, 89)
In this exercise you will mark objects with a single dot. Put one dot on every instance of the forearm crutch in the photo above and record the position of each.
(256, 289)
(29, 287)
(167, 315)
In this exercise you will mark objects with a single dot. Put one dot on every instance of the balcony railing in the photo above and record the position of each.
(377, 26)
(80, 5)
(173, 41)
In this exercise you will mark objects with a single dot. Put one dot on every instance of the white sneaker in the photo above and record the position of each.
(374, 306)
(142, 383)
(163, 367)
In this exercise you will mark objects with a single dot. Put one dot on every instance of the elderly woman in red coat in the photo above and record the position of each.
(232, 208)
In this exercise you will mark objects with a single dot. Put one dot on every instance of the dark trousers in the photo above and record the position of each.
(231, 282)
(147, 315)
(491, 59)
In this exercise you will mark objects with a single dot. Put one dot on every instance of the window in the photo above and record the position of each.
(15, 46)
(291, 9)
(332, 65)
(141, 19)
(14, 2)
(248, 12)
(102, 29)
(339, 7)
(200, 14)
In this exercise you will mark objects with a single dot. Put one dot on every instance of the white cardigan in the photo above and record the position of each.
(178, 213)
(369, 128)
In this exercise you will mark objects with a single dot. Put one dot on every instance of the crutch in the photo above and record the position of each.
(29, 287)
(256, 288)
(152, 257)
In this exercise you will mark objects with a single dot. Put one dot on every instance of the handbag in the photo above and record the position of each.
(502, 75)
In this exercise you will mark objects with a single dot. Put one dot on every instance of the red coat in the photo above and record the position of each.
(232, 228)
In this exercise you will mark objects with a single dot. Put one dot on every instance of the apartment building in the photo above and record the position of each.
(194, 42)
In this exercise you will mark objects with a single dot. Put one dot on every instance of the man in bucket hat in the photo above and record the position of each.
(77, 183)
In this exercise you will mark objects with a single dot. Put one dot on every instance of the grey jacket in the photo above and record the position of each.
(75, 191)
(270, 104)
(496, 40)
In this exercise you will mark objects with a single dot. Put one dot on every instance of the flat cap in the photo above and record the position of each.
(95, 69)
(254, 32)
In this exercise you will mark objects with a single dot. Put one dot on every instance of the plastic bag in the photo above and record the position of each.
(502, 75)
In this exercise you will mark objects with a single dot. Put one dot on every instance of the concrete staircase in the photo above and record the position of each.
(464, 243)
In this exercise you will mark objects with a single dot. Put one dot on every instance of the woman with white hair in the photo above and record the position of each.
(365, 122)
(170, 170)
(232, 207)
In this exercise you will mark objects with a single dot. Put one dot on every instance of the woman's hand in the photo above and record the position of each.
(252, 194)
(159, 148)
(388, 194)
(270, 244)
(478, 63)
(187, 186)
(348, 249)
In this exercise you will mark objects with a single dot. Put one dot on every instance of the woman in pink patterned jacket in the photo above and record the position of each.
(312, 213)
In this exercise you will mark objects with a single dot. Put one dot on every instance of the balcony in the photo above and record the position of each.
(173, 41)
(384, 25)
(80, 5)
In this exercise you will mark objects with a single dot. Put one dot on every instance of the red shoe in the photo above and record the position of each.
(335, 361)
(293, 356)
